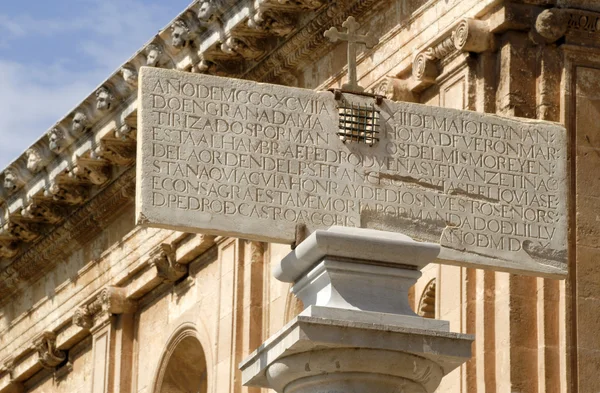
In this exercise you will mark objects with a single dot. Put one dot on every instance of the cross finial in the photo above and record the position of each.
(369, 40)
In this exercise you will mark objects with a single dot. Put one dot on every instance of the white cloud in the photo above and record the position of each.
(29, 106)
(35, 94)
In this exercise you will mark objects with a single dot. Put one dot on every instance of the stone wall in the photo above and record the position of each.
(532, 334)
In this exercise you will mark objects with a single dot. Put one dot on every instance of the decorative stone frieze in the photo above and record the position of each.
(49, 356)
(469, 35)
(56, 196)
(163, 259)
(306, 44)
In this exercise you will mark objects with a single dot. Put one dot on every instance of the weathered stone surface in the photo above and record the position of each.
(235, 157)
(226, 156)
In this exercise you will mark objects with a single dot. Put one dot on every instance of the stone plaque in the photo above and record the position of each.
(234, 157)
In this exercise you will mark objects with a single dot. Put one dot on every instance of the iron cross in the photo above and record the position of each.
(352, 27)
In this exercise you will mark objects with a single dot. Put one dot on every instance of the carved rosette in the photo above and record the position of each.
(49, 356)
(163, 259)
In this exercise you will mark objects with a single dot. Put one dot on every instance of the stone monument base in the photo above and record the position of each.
(357, 333)
(315, 354)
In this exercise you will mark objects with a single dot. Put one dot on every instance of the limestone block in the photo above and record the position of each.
(238, 158)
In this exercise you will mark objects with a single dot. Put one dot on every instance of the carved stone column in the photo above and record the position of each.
(110, 321)
(357, 333)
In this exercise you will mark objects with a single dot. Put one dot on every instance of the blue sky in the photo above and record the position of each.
(53, 53)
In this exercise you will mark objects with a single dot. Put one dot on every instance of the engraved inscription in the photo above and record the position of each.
(234, 157)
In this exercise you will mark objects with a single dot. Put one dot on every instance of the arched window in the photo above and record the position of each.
(183, 366)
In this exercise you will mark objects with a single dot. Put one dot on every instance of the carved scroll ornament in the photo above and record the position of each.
(469, 35)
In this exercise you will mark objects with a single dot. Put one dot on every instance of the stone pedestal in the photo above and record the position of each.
(357, 333)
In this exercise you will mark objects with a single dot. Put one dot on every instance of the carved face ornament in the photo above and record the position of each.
(153, 53)
(179, 34)
(79, 123)
(10, 180)
(129, 75)
(206, 11)
(55, 138)
(34, 160)
(103, 99)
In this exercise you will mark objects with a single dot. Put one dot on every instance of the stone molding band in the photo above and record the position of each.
(166, 263)
(469, 35)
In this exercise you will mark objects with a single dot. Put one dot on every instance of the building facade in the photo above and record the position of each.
(91, 303)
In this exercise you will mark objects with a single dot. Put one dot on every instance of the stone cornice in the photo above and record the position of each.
(51, 348)
(81, 226)
(93, 145)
